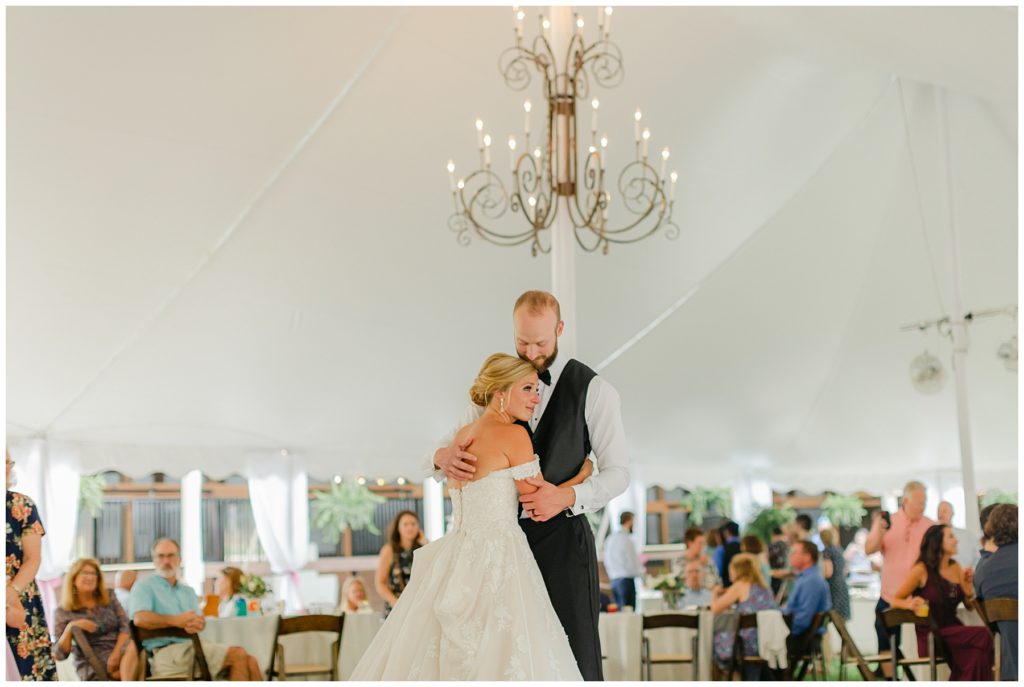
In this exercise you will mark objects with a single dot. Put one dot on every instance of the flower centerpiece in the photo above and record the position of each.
(254, 589)
(671, 587)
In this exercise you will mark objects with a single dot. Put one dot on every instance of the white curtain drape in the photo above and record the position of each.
(48, 473)
(433, 509)
(279, 494)
(192, 530)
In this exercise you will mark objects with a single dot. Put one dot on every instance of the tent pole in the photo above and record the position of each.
(563, 256)
(959, 336)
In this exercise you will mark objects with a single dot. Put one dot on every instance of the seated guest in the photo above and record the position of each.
(85, 603)
(162, 600)
(353, 596)
(228, 588)
(622, 564)
(753, 545)
(988, 547)
(694, 591)
(123, 586)
(810, 593)
(696, 541)
(778, 559)
(937, 580)
(750, 594)
(996, 578)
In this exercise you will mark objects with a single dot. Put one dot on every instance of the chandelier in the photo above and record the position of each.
(563, 168)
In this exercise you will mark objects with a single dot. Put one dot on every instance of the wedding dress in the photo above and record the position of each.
(476, 607)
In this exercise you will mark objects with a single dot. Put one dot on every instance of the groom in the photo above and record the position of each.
(578, 413)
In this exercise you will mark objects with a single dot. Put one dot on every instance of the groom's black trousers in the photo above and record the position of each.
(567, 557)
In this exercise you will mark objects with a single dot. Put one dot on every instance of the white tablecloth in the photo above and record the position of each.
(621, 643)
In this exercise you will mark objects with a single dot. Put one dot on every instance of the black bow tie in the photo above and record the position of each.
(545, 377)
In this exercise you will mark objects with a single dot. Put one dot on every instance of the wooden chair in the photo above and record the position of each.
(198, 657)
(849, 654)
(891, 620)
(807, 650)
(669, 620)
(98, 667)
(993, 611)
(306, 623)
(740, 661)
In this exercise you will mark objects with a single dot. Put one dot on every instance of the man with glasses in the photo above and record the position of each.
(900, 544)
(163, 600)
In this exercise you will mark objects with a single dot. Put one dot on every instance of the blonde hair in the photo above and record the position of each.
(350, 581)
(536, 302)
(69, 600)
(745, 567)
(498, 373)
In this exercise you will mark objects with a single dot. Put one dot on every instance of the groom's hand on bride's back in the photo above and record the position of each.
(455, 462)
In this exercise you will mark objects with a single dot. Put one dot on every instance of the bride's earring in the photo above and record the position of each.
(501, 409)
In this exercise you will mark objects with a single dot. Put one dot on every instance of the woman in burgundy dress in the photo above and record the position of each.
(938, 581)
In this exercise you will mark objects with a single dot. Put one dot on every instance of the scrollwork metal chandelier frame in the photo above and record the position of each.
(555, 169)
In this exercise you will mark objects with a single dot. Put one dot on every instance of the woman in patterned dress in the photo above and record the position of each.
(30, 642)
(395, 567)
(834, 570)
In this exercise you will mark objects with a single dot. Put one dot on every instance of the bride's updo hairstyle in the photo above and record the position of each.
(498, 373)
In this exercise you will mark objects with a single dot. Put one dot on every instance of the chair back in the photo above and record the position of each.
(660, 620)
(306, 623)
(140, 634)
(1000, 610)
(747, 621)
(82, 641)
(894, 617)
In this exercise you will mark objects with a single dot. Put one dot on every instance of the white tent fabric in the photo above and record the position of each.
(278, 492)
(192, 530)
(227, 233)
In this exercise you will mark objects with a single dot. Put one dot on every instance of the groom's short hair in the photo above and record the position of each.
(536, 302)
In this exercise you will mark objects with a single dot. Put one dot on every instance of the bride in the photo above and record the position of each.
(476, 607)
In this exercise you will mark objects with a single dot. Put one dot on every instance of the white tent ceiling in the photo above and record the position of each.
(226, 233)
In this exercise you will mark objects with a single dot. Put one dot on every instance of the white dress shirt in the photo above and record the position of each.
(603, 415)
(620, 557)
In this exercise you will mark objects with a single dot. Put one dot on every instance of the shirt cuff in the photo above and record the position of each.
(584, 494)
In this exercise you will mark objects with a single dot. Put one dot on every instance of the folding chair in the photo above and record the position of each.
(849, 654)
(198, 657)
(98, 667)
(892, 619)
(807, 650)
(740, 661)
(994, 611)
(306, 623)
(669, 620)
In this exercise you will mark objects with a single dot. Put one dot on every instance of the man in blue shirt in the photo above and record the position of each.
(162, 600)
(730, 546)
(996, 578)
(810, 594)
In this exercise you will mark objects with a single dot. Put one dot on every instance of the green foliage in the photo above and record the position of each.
(344, 505)
(254, 587)
(90, 493)
(993, 496)
(768, 519)
(844, 511)
(700, 502)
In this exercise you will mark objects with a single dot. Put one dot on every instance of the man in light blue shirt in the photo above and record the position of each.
(622, 564)
(810, 593)
(694, 593)
(162, 601)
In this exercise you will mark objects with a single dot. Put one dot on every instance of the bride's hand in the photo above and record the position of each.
(455, 462)
(586, 471)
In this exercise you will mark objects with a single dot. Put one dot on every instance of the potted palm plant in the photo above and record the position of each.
(345, 505)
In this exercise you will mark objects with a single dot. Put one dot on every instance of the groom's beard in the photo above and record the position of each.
(543, 362)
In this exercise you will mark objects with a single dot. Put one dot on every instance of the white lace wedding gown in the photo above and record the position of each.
(476, 607)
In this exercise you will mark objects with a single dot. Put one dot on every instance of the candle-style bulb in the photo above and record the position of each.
(462, 184)
(536, 153)
(665, 153)
(579, 22)
(487, 140)
(647, 134)
(527, 106)
(546, 24)
(595, 103)
(636, 115)
(511, 142)
(479, 125)
(592, 150)
(520, 15)
(608, 11)
(604, 141)
(674, 177)
(450, 166)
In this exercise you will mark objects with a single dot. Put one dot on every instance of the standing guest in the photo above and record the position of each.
(622, 563)
(810, 591)
(85, 603)
(750, 593)
(857, 558)
(969, 544)
(778, 559)
(228, 588)
(395, 566)
(802, 527)
(833, 567)
(696, 542)
(996, 578)
(753, 545)
(730, 546)
(938, 582)
(353, 596)
(123, 583)
(30, 642)
(162, 600)
(694, 591)
(900, 545)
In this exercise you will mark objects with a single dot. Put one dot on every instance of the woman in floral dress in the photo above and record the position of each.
(30, 642)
